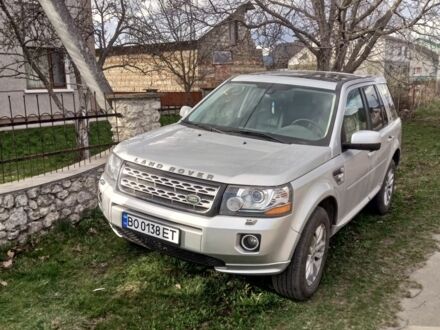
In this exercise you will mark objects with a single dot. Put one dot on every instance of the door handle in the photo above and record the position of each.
(371, 153)
(339, 175)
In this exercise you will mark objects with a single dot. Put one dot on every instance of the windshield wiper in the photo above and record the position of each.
(267, 136)
(206, 127)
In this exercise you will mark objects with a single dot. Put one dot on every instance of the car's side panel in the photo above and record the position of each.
(353, 212)
(380, 158)
(357, 176)
(311, 189)
(357, 164)
(391, 137)
(347, 208)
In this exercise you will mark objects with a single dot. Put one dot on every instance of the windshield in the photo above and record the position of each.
(285, 113)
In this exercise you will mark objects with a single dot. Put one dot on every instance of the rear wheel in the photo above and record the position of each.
(301, 278)
(381, 203)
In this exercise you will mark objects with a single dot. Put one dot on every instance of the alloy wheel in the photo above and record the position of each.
(316, 254)
(389, 187)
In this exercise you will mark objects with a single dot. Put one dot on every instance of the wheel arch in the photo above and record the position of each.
(330, 205)
(396, 157)
(328, 201)
(322, 195)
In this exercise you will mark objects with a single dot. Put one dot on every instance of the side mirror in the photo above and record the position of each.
(184, 111)
(364, 140)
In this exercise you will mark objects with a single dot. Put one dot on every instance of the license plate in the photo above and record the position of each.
(150, 228)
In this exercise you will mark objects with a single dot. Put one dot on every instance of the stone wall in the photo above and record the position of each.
(32, 206)
(140, 114)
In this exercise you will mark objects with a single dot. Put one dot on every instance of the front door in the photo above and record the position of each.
(357, 163)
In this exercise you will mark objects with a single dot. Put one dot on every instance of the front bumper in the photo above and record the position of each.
(209, 240)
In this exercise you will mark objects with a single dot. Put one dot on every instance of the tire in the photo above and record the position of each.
(381, 203)
(292, 283)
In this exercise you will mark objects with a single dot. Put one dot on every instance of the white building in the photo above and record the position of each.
(392, 57)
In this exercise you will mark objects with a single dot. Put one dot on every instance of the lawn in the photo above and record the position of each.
(168, 119)
(38, 140)
(86, 277)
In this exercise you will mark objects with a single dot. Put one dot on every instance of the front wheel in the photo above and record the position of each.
(381, 203)
(301, 278)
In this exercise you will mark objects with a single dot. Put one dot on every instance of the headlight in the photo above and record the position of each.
(112, 167)
(257, 201)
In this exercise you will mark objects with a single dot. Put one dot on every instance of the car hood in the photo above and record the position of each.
(220, 157)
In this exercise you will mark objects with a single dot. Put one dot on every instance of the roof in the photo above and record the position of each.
(203, 30)
(417, 47)
(430, 42)
(152, 48)
(321, 79)
(283, 52)
(317, 75)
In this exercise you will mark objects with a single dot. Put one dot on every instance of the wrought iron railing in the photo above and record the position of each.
(169, 114)
(35, 139)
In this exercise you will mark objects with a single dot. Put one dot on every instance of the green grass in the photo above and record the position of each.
(31, 141)
(168, 119)
(52, 284)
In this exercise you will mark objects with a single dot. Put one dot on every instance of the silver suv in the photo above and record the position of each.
(259, 175)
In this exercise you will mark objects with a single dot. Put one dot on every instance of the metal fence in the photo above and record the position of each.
(40, 140)
(410, 96)
(169, 110)
(169, 114)
(171, 102)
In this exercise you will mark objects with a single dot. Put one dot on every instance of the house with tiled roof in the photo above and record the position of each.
(215, 53)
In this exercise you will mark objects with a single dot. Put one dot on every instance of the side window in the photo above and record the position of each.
(388, 100)
(376, 110)
(355, 118)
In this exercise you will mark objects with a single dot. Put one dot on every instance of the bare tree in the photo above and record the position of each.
(339, 33)
(26, 33)
(170, 30)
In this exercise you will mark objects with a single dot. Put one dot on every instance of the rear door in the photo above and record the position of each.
(394, 120)
(379, 121)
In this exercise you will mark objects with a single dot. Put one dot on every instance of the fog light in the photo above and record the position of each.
(250, 242)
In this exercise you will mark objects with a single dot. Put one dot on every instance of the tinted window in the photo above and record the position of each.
(355, 118)
(376, 110)
(388, 100)
(51, 63)
(299, 113)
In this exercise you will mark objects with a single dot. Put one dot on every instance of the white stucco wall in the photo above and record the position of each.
(15, 88)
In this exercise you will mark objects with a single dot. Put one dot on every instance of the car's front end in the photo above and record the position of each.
(235, 229)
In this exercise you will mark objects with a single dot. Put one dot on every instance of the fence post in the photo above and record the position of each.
(139, 113)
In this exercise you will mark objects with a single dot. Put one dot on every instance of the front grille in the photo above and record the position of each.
(157, 244)
(160, 187)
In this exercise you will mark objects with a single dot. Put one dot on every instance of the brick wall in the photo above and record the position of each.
(245, 57)
(132, 80)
